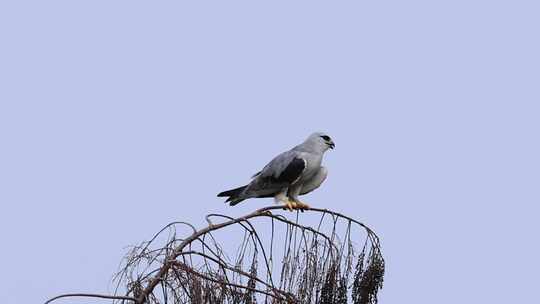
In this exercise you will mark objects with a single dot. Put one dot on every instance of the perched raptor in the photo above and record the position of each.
(290, 174)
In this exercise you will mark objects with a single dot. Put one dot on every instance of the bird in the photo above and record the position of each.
(290, 174)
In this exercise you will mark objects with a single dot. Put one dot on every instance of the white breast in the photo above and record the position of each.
(315, 181)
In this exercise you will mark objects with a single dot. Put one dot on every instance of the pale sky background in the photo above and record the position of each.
(117, 117)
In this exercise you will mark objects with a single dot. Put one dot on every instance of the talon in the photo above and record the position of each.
(290, 205)
(302, 205)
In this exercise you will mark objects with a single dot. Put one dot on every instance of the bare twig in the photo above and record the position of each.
(318, 264)
(91, 295)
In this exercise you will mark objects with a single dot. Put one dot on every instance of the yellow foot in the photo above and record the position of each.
(290, 205)
(301, 205)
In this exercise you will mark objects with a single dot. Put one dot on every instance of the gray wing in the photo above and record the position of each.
(282, 171)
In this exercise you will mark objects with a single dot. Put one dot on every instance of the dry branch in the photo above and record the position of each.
(277, 260)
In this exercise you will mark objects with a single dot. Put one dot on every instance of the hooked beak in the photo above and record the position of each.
(332, 145)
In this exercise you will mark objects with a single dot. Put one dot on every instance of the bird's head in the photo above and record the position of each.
(321, 141)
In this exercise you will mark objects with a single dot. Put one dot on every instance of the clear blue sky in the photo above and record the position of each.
(117, 117)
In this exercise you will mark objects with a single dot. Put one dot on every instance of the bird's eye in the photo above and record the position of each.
(327, 138)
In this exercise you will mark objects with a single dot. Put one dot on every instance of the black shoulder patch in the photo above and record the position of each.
(292, 172)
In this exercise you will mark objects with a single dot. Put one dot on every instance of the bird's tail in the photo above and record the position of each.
(233, 195)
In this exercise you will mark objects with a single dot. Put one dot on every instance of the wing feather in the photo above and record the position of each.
(282, 171)
(293, 171)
